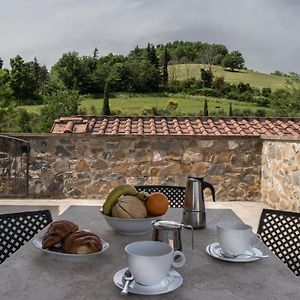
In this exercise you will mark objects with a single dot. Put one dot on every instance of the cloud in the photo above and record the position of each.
(265, 31)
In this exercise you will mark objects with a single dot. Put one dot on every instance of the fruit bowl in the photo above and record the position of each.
(130, 226)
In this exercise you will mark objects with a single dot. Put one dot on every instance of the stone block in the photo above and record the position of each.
(232, 145)
(99, 164)
(61, 166)
(191, 156)
(82, 166)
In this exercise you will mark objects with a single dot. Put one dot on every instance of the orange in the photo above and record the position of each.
(157, 204)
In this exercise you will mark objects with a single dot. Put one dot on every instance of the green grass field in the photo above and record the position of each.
(255, 79)
(134, 104)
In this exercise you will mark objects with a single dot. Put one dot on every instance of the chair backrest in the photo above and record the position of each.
(175, 194)
(18, 228)
(280, 231)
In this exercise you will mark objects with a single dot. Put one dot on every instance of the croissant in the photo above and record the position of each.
(57, 231)
(82, 242)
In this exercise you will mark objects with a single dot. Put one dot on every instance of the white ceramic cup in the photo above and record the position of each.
(150, 261)
(234, 238)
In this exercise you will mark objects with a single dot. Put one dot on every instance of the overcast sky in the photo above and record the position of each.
(265, 31)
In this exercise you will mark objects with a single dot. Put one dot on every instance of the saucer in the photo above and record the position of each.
(215, 250)
(172, 282)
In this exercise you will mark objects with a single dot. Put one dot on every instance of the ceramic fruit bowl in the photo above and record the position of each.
(130, 226)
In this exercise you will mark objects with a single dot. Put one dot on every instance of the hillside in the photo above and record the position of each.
(255, 79)
(135, 104)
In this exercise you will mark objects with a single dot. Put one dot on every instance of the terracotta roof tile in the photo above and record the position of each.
(208, 126)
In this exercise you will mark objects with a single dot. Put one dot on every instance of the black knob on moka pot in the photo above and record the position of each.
(194, 204)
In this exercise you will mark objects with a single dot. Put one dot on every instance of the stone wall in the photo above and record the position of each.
(85, 166)
(280, 182)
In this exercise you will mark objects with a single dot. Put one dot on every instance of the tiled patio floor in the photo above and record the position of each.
(249, 212)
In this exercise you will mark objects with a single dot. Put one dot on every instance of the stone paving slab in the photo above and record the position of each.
(249, 212)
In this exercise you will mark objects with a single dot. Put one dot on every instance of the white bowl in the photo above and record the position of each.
(130, 226)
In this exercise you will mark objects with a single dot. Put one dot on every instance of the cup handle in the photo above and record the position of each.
(256, 239)
(179, 261)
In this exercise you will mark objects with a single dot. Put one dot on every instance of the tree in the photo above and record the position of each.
(6, 92)
(153, 58)
(1, 63)
(287, 102)
(23, 120)
(106, 109)
(96, 53)
(151, 55)
(68, 70)
(219, 85)
(22, 80)
(233, 60)
(207, 77)
(40, 75)
(95, 57)
(205, 109)
(230, 109)
(166, 59)
(58, 102)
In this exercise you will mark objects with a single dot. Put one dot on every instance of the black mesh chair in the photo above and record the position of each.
(175, 194)
(18, 228)
(280, 231)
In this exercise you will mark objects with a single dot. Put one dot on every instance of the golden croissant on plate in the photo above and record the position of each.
(57, 231)
(82, 242)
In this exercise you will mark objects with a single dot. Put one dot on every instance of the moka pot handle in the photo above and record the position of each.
(212, 189)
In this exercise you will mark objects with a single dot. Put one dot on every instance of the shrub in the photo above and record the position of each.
(246, 112)
(219, 85)
(236, 112)
(262, 101)
(171, 106)
(246, 96)
(93, 110)
(266, 92)
(260, 113)
(233, 95)
(208, 92)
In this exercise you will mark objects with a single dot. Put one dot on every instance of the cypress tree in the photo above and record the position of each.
(137, 52)
(106, 109)
(154, 59)
(205, 110)
(166, 59)
(149, 52)
(230, 109)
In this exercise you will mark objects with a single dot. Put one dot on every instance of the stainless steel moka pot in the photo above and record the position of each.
(194, 204)
(170, 232)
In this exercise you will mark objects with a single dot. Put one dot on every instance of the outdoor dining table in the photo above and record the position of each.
(33, 274)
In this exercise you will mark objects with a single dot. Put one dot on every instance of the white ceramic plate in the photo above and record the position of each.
(56, 250)
(172, 282)
(215, 250)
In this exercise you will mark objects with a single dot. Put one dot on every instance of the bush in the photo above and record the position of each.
(246, 96)
(262, 101)
(260, 113)
(219, 85)
(236, 112)
(233, 95)
(208, 92)
(93, 110)
(266, 92)
(247, 112)
(171, 106)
